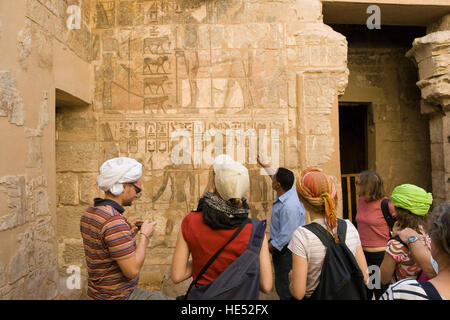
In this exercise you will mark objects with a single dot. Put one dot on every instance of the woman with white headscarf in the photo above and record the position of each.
(221, 213)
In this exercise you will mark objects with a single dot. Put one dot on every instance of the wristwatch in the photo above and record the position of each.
(412, 239)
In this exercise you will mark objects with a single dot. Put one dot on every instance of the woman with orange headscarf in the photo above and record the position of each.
(317, 192)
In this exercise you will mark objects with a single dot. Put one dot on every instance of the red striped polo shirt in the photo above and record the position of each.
(107, 237)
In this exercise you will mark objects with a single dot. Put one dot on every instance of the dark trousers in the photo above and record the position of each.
(375, 258)
(282, 263)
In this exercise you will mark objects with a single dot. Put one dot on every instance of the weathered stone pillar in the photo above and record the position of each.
(432, 54)
(317, 56)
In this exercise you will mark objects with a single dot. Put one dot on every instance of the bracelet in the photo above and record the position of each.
(145, 235)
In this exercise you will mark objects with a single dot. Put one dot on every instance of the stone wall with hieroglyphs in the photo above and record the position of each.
(244, 75)
(215, 70)
(30, 33)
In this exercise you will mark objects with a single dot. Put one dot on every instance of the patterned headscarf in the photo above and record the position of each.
(318, 190)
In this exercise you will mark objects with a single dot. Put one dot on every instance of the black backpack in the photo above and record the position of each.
(240, 280)
(341, 278)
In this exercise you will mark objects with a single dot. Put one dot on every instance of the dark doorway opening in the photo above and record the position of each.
(353, 122)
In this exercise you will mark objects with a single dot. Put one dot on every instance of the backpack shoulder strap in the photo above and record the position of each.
(206, 266)
(386, 213)
(430, 290)
(320, 233)
(211, 260)
(324, 235)
(342, 230)
(257, 236)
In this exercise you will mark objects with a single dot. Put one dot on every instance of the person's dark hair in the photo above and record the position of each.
(371, 186)
(439, 227)
(407, 219)
(236, 202)
(285, 177)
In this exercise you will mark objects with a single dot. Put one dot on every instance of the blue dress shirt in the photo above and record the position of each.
(288, 213)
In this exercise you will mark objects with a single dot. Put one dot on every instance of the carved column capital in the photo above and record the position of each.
(431, 54)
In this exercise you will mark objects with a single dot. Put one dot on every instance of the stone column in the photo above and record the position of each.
(431, 53)
(317, 59)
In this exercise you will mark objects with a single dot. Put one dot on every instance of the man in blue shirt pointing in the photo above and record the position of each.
(288, 213)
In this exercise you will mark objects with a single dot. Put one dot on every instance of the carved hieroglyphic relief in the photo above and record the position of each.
(169, 73)
(205, 68)
(15, 187)
(171, 188)
(199, 69)
(173, 68)
(11, 103)
(38, 200)
(105, 14)
(137, 80)
(157, 142)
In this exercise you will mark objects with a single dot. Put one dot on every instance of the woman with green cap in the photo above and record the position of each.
(412, 204)
(438, 288)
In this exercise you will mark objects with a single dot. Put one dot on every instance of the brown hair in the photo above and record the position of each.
(210, 187)
(371, 186)
(407, 219)
(439, 227)
(236, 202)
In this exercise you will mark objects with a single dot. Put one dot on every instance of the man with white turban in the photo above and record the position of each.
(113, 258)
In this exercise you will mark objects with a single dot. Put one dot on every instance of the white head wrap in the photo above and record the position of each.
(220, 160)
(232, 180)
(114, 172)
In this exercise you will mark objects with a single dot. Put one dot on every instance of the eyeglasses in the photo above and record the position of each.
(136, 188)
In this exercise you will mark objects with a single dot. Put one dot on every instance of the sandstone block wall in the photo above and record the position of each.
(382, 76)
(30, 30)
(268, 69)
(271, 69)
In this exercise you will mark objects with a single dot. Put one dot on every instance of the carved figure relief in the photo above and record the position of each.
(157, 45)
(125, 13)
(155, 104)
(153, 13)
(158, 65)
(156, 84)
(105, 15)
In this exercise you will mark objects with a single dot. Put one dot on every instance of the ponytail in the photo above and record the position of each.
(236, 202)
(330, 215)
